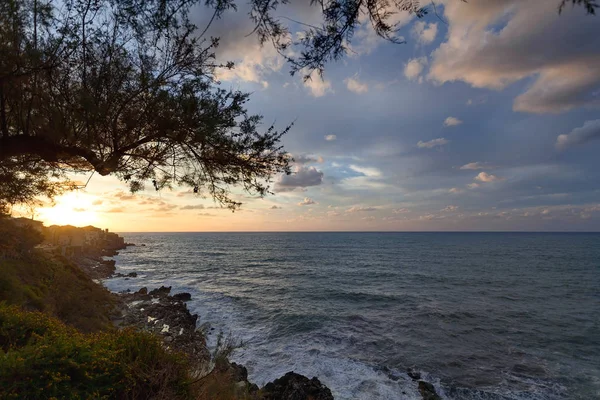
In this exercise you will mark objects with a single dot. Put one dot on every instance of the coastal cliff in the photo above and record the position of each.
(54, 283)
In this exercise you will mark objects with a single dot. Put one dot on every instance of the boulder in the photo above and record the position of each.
(143, 290)
(182, 296)
(294, 386)
(427, 391)
(161, 291)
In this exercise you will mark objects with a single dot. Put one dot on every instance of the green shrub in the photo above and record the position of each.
(42, 358)
(49, 283)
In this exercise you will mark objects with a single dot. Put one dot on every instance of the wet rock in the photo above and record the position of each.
(143, 290)
(161, 291)
(162, 315)
(294, 386)
(129, 275)
(427, 391)
(182, 296)
(413, 374)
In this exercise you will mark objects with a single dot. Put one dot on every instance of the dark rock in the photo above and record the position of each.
(182, 296)
(239, 373)
(161, 291)
(294, 386)
(143, 290)
(129, 275)
(427, 391)
(413, 374)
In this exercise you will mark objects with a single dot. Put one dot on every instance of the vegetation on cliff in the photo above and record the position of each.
(44, 358)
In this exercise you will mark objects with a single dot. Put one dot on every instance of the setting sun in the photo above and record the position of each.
(70, 209)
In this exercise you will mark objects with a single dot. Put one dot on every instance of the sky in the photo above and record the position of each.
(487, 119)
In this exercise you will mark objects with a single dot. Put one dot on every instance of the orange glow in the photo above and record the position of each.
(70, 209)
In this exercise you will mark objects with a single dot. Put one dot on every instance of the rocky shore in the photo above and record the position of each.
(165, 314)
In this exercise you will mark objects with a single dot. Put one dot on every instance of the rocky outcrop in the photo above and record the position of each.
(158, 313)
(427, 391)
(182, 296)
(293, 386)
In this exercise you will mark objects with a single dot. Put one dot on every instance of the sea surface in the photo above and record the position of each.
(480, 315)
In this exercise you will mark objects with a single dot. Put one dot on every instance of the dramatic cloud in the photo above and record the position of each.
(485, 177)
(586, 133)
(414, 67)
(367, 171)
(477, 165)
(493, 44)
(424, 32)
(330, 138)
(307, 202)
(354, 85)
(452, 121)
(432, 143)
(302, 177)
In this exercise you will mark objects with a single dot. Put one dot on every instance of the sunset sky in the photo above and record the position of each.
(487, 119)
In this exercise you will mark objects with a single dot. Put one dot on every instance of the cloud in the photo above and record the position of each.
(477, 165)
(455, 190)
(356, 209)
(400, 210)
(274, 207)
(115, 210)
(121, 195)
(97, 202)
(354, 85)
(367, 171)
(449, 209)
(79, 209)
(307, 202)
(424, 32)
(330, 138)
(485, 177)
(193, 207)
(302, 177)
(307, 159)
(432, 143)
(493, 44)
(586, 133)
(414, 67)
(317, 85)
(452, 121)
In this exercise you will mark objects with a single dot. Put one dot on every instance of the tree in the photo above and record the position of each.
(124, 88)
(127, 87)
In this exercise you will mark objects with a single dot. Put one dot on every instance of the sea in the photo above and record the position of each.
(484, 316)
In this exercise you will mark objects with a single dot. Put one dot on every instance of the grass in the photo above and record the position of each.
(53, 284)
